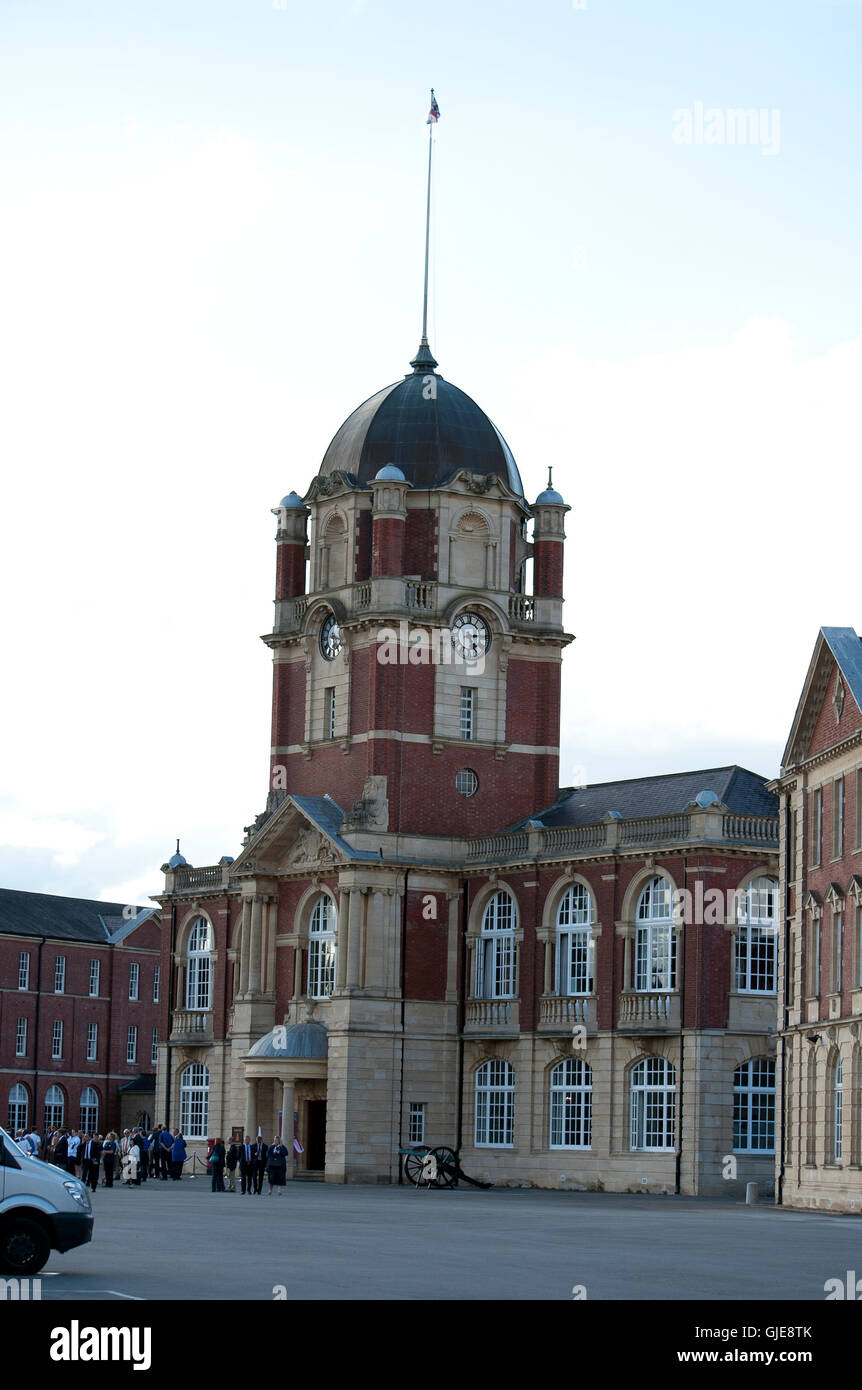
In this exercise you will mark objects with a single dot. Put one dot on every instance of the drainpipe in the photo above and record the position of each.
(788, 817)
(171, 992)
(403, 975)
(462, 1016)
(678, 1173)
(35, 1116)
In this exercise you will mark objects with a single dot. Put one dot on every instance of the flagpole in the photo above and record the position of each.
(427, 234)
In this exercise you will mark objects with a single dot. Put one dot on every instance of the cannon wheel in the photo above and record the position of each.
(413, 1167)
(447, 1167)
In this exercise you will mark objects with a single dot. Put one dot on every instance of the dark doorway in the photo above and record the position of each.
(315, 1155)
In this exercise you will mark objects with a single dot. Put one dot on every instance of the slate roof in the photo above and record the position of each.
(327, 815)
(741, 791)
(140, 1085)
(846, 646)
(66, 919)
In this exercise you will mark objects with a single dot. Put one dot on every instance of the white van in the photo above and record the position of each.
(42, 1208)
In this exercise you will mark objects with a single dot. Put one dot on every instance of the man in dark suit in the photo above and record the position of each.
(260, 1152)
(246, 1165)
(92, 1159)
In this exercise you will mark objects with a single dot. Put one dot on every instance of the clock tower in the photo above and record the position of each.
(413, 670)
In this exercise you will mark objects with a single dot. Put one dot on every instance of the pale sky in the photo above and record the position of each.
(212, 250)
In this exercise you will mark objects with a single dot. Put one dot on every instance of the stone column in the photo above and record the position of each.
(549, 966)
(256, 953)
(251, 1110)
(244, 949)
(341, 943)
(452, 948)
(269, 918)
(287, 1108)
(354, 928)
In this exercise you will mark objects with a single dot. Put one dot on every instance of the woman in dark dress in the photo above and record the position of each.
(276, 1165)
(217, 1158)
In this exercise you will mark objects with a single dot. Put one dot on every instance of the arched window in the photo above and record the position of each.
(89, 1110)
(754, 1106)
(199, 966)
(837, 1111)
(19, 1109)
(653, 1104)
(571, 1104)
(655, 943)
(321, 948)
(575, 942)
(54, 1107)
(495, 958)
(755, 938)
(194, 1101)
(495, 1104)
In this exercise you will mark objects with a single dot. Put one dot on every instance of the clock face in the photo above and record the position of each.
(470, 636)
(330, 638)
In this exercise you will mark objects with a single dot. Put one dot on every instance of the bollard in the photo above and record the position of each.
(751, 1194)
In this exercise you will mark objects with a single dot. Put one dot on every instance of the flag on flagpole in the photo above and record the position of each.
(434, 113)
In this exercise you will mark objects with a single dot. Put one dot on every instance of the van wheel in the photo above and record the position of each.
(24, 1247)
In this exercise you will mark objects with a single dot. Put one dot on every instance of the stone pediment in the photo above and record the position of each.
(290, 839)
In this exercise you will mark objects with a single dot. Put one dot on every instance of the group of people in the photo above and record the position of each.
(254, 1160)
(135, 1155)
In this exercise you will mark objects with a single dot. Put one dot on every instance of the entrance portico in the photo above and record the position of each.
(285, 1072)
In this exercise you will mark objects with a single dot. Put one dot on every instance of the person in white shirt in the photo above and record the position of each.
(34, 1141)
(74, 1143)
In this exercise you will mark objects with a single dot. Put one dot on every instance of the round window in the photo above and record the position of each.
(466, 782)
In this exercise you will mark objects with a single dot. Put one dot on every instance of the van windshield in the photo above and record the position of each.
(10, 1142)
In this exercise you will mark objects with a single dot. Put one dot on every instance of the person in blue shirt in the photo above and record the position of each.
(178, 1156)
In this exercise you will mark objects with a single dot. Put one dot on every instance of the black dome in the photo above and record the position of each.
(429, 436)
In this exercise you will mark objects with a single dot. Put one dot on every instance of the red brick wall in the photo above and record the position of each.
(426, 948)
(112, 1010)
(289, 569)
(829, 731)
(420, 544)
(548, 569)
(387, 546)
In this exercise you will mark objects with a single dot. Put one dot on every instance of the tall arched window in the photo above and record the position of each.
(754, 1106)
(655, 943)
(571, 1104)
(89, 1110)
(653, 1104)
(54, 1107)
(837, 1111)
(19, 1108)
(321, 948)
(755, 938)
(194, 1101)
(199, 966)
(495, 1104)
(495, 958)
(575, 942)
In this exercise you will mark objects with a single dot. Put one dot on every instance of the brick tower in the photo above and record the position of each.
(412, 666)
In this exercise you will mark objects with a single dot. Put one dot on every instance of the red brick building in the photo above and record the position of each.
(424, 939)
(820, 1159)
(79, 995)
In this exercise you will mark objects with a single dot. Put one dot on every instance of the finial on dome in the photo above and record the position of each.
(550, 475)
(424, 360)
